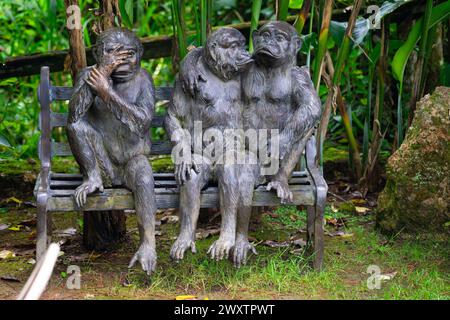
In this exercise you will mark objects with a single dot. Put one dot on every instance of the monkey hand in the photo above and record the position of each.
(191, 82)
(86, 188)
(240, 251)
(180, 246)
(183, 171)
(146, 255)
(100, 83)
(280, 183)
(111, 60)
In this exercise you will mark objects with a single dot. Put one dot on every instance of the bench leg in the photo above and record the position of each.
(315, 234)
(41, 226)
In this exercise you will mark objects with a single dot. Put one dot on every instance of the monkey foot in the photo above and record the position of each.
(146, 255)
(180, 246)
(240, 251)
(283, 191)
(221, 248)
(86, 188)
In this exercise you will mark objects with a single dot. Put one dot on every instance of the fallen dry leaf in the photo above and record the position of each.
(7, 254)
(362, 210)
(275, 244)
(9, 278)
(205, 233)
(169, 219)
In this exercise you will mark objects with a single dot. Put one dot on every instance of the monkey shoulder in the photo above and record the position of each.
(82, 76)
(190, 64)
(145, 80)
(301, 77)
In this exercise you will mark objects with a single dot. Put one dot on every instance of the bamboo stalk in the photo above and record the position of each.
(256, 10)
(282, 9)
(420, 62)
(302, 16)
(323, 38)
(335, 92)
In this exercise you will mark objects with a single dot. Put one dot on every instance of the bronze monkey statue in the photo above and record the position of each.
(276, 95)
(217, 106)
(110, 113)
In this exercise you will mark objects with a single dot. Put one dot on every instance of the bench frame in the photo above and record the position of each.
(308, 186)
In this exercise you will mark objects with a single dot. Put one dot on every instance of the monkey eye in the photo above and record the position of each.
(280, 38)
(234, 45)
(266, 34)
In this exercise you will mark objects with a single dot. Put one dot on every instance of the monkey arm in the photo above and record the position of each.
(82, 97)
(307, 111)
(177, 112)
(138, 116)
(191, 72)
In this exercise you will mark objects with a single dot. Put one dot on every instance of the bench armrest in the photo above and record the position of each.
(316, 175)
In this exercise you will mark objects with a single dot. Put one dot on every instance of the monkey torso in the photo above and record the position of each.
(217, 106)
(119, 141)
(218, 103)
(267, 96)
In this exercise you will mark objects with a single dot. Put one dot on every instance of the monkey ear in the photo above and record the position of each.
(255, 34)
(212, 50)
(297, 42)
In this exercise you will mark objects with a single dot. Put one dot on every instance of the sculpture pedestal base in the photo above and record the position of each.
(102, 229)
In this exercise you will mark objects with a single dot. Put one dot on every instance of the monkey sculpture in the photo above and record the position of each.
(276, 95)
(110, 114)
(216, 106)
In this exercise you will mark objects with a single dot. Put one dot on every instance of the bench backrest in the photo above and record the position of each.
(49, 119)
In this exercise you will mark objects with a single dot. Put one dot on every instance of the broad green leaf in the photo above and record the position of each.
(295, 4)
(362, 26)
(398, 64)
(4, 142)
(124, 13)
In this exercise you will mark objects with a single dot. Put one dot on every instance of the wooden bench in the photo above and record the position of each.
(54, 191)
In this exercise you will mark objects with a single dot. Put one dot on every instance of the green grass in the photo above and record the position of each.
(421, 264)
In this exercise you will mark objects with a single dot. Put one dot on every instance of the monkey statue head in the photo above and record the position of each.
(119, 40)
(275, 44)
(225, 53)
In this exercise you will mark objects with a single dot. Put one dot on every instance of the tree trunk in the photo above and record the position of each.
(102, 229)
(77, 51)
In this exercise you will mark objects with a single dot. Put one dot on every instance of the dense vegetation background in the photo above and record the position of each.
(385, 61)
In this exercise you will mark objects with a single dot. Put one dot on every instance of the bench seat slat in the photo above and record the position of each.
(122, 199)
(167, 194)
(72, 184)
(156, 176)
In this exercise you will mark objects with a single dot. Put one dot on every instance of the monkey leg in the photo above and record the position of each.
(87, 147)
(190, 193)
(248, 178)
(228, 180)
(138, 177)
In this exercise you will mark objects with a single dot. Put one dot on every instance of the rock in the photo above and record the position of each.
(416, 196)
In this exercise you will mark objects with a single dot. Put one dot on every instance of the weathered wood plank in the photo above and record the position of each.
(156, 176)
(122, 199)
(60, 120)
(158, 148)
